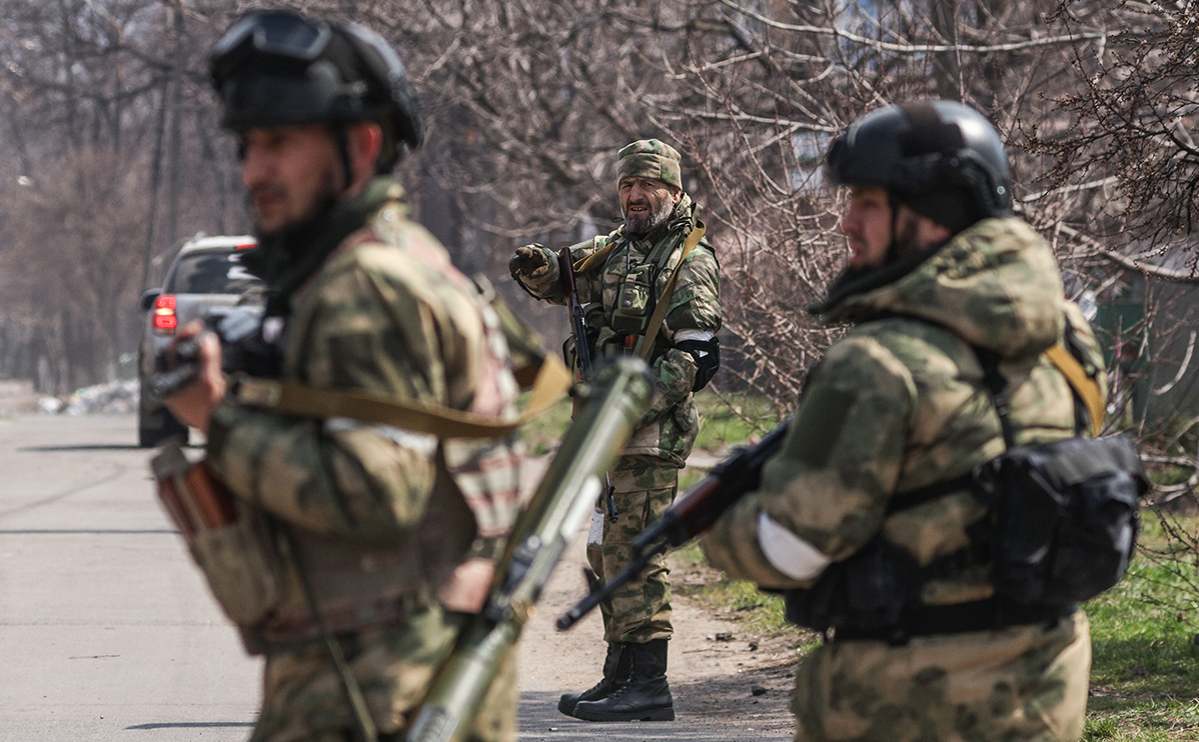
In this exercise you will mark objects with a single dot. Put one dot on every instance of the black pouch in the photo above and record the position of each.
(1066, 517)
(868, 593)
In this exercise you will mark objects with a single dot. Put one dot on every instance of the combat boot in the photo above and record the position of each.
(644, 696)
(616, 670)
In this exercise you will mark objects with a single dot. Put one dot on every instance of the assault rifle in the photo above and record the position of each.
(578, 321)
(691, 515)
(578, 334)
(612, 405)
(237, 328)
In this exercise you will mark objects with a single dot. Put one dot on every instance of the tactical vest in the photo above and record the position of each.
(474, 503)
(1061, 525)
(632, 313)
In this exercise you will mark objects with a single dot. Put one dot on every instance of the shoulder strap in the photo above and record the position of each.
(597, 258)
(1084, 386)
(294, 398)
(645, 345)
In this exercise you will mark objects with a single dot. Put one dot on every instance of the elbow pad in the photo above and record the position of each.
(707, 359)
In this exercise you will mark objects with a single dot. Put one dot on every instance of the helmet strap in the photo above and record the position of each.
(893, 248)
(341, 140)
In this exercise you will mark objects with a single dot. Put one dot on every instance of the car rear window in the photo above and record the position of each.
(211, 273)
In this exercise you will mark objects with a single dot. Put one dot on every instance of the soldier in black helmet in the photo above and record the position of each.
(381, 541)
(868, 515)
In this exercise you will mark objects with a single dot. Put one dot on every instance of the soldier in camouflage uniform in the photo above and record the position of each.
(937, 265)
(392, 532)
(624, 275)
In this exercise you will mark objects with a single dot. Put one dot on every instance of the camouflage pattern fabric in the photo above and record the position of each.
(387, 520)
(649, 158)
(1022, 683)
(663, 439)
(669, 428)
(899, 403)
(303, 699)
(640, 611)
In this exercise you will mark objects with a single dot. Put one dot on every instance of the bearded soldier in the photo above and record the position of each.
(385, 537)
(653, 288)
(866, 513)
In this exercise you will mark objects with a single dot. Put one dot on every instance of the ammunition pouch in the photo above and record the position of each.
(870, 593)
(1065, 517)
(233, 546)
(707, 359)
(634, 299)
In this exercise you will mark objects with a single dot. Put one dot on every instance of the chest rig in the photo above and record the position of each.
(632, 319)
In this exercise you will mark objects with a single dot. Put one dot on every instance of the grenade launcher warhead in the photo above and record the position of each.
(615, 399)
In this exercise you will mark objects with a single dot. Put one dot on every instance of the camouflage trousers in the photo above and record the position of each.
(1021, 684)
(303, 697)
(640, 611)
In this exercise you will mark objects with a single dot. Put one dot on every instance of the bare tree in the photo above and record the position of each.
(529, 100)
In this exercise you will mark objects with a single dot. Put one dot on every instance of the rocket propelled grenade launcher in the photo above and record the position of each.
(616, 398)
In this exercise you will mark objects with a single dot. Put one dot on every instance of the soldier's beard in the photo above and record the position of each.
(656, 217)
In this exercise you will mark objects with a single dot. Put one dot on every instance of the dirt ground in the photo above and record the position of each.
(722, 678)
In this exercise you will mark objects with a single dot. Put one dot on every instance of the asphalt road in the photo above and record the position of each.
(108, 633)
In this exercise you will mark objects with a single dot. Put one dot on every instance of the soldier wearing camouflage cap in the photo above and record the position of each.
(384, 539)
(866, 513)
(624, 275)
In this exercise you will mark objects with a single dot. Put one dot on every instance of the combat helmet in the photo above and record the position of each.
(280, 68)
(941, 158)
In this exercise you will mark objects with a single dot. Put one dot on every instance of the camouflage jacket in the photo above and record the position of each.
(669, 429)
(899, 403)
(386, 519)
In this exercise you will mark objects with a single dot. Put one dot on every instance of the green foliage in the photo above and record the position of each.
(542, 433)
(1145, 671)
(758, 611)
(725, 422)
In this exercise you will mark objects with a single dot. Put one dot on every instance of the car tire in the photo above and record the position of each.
(150, 434)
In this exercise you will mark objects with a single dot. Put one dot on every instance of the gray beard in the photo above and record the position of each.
(646, 224)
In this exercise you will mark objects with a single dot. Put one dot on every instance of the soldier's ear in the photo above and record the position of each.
(365, 140)
(675, 194)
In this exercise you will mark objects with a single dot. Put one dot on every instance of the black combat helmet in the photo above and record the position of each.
(279, 68)
(941, 158)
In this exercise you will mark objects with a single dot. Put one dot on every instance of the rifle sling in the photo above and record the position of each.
(294, 398)
(645, 346)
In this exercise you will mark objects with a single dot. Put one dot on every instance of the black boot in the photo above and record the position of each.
(645, 696)
(616, 670)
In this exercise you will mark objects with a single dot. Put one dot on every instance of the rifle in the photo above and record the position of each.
(578, 333)
(612, 404)
(237, 328)
(578, 321)
(689, 516)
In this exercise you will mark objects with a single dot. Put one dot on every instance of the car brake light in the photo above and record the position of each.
(246, 246)
(164, 313)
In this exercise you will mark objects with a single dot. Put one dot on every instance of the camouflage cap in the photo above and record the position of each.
(649, 158)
